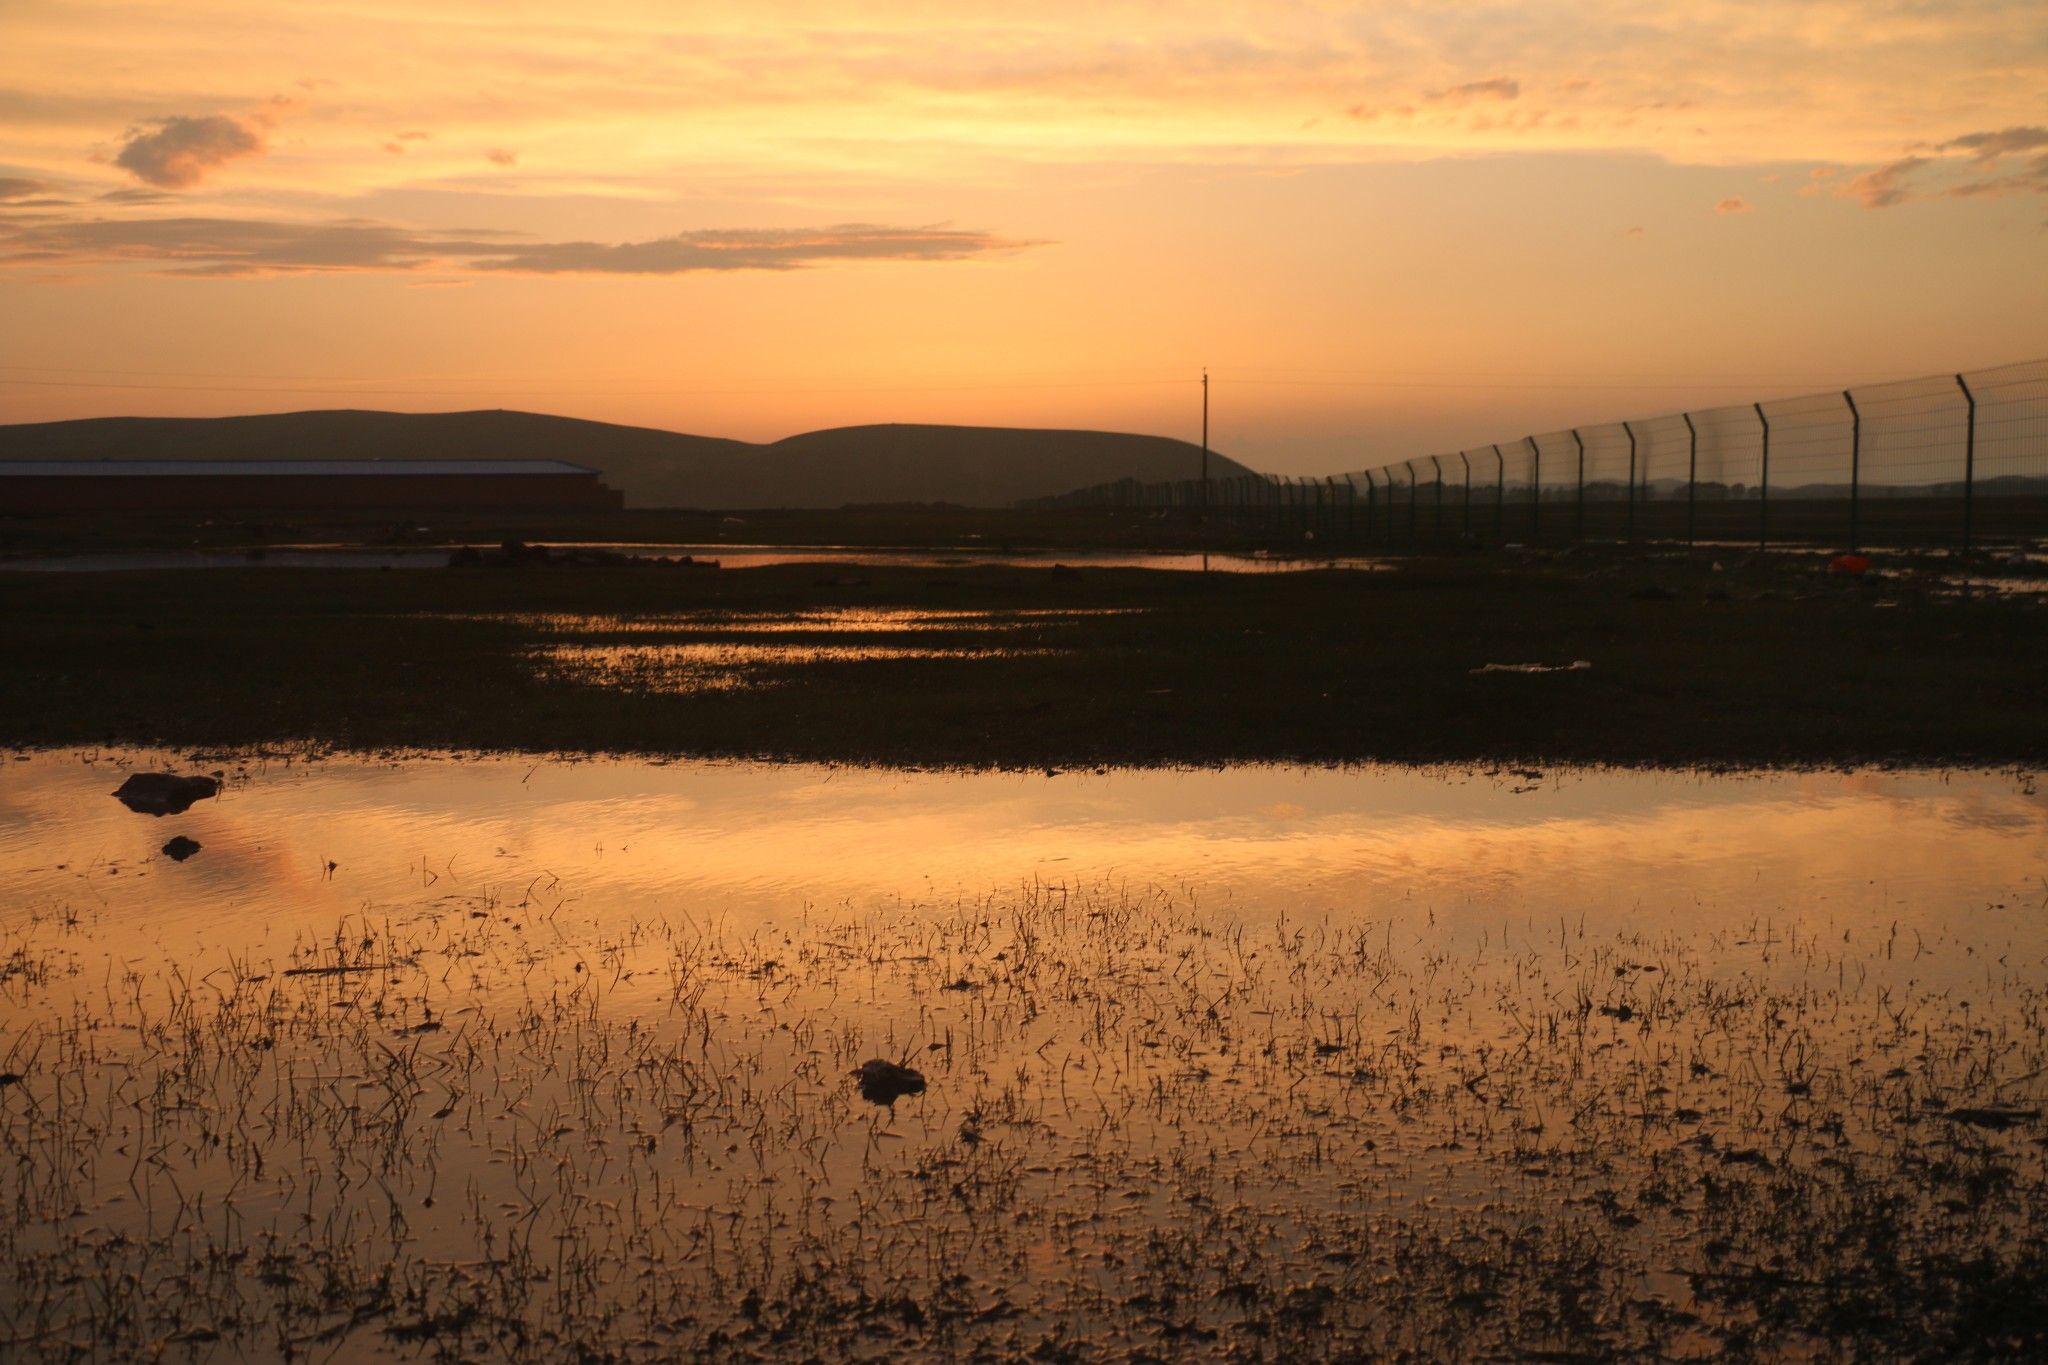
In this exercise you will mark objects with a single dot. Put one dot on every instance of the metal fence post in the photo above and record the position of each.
(1763, 488)
(1692, 481)
(1535, 490)
(1438, 462)
(1409, 465)
(1631, 481)
(1500, 496)
(1969, 464)
(1371, 502)
(1855, 469)
(1468, 490)
(1579, 533)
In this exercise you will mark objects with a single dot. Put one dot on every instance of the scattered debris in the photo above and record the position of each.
(1575, 666)
(343, 969)
(518, 554)
(165, 793)
(1996, 1117)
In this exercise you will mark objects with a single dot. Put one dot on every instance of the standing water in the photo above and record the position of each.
(457, 1056)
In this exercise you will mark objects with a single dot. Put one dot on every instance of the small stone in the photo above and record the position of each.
(885, 1082)
(164, 793)
(181, 848)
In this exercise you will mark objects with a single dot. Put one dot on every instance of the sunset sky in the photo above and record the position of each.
(1384, 227)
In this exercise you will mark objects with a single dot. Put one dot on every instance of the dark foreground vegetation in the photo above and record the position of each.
(882, 526)
(1707, 658)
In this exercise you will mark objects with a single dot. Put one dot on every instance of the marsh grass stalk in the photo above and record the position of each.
(516, 1126)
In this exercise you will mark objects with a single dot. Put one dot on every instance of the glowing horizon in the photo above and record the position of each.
(1382, 227)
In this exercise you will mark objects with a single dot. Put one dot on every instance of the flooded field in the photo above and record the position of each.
(728, 556)
(448, 1058)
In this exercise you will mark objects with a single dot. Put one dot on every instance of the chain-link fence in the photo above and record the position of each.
(1952, 460)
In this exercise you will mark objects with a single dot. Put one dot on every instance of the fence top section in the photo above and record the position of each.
(1900, 437)
(1910, 437)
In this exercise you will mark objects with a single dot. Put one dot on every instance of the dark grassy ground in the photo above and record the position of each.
(982, 528)
(1767, 661)
(1931, 524)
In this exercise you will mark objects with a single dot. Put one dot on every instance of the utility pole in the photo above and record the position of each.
(1205, 440)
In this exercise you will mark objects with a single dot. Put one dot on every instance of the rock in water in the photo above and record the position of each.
(885, 1082)
(181, 848)
(164, 793)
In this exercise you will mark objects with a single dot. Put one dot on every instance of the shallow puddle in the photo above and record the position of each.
(720, 667)
(467, 1056)
(723, 651)
(819, 621)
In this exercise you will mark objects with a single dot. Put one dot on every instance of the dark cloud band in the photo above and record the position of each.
(1970, 167)
(226, 247)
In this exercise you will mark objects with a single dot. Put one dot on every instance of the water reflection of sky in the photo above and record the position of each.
(1446, 854)
(1462, 995)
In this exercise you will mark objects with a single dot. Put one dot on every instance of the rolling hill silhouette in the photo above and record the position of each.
(971, 466)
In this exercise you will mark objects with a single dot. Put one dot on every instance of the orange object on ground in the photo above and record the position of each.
(1854, 565)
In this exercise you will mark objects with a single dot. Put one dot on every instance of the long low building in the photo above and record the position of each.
(47, 486)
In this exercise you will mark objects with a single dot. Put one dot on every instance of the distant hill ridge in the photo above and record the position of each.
(970, 466)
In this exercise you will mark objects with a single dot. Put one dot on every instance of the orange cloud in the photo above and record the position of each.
(18, 188)
(1499, 88)
(1732, 205)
